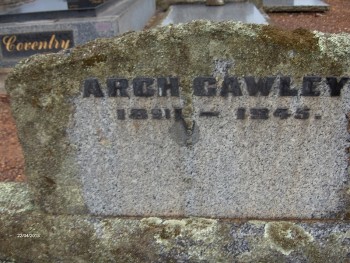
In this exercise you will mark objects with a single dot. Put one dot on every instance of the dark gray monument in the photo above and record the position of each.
(40, 26)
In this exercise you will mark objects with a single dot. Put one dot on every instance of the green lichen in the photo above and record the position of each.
(299, 39)
(15, 197)
(286, 237)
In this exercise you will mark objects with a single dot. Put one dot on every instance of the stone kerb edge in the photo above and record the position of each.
(28, 234)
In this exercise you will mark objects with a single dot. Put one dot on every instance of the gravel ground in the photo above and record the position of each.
(11, 156)
(336, 20)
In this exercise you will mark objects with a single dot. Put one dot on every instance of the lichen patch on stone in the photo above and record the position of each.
(286, 237)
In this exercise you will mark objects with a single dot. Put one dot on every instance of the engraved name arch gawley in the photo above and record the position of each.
(207, 86)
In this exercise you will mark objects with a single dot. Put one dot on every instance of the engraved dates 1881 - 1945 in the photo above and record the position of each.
(241, 114)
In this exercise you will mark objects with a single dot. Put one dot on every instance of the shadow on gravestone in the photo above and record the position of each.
(204, 121)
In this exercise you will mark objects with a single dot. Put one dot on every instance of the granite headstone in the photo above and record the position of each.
(213, 120)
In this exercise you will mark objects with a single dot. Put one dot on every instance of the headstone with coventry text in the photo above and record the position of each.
(40, 26)
(212, 120)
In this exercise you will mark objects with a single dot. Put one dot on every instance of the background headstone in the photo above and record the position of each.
(45, 27)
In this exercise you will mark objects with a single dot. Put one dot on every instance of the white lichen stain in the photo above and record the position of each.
(14, 198)
(336, 45)
(257, 222)
(348, 191)
(200, 231)
(43, 137)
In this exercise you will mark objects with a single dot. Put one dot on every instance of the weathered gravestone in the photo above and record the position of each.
(207, 120)
(238, 122)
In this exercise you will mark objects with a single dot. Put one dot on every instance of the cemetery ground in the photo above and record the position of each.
(336, 20)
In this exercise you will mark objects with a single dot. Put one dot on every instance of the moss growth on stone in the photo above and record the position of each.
(300, 39)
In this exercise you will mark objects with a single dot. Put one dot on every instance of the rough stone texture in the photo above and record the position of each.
(28, 235)
(81, 159)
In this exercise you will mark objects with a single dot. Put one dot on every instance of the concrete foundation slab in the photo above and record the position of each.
(295, 6)
(244, 12)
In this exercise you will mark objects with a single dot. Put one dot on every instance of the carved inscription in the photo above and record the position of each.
(208, 87)
(259, 114)
(282, 113)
